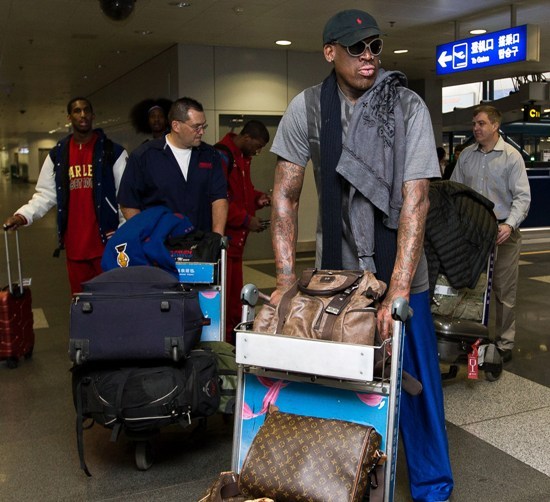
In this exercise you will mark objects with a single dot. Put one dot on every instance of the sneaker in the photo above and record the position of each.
(506, 355)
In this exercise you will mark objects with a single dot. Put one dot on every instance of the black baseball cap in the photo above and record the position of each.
(349, 27)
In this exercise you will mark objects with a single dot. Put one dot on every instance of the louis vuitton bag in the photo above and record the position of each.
(296, 457)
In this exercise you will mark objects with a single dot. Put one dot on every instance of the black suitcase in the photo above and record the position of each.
(134, 313)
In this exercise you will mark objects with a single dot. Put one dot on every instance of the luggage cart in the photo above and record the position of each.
(461, 231)
(335, 380)
(210, 280)
(461, 319)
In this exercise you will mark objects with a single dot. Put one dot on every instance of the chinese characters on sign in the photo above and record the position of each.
(490, 49)
(508, 45)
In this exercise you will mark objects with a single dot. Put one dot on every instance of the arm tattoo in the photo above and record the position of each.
(287, 188)
(410, 234)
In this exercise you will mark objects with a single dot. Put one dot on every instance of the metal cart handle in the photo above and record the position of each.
(400, 310)
(400, 313)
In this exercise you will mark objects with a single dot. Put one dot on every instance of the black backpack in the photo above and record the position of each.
(226, 156)
(145, 397)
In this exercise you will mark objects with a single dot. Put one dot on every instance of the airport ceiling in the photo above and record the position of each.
(51, 50)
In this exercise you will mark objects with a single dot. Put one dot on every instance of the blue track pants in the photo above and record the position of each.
(422, 418)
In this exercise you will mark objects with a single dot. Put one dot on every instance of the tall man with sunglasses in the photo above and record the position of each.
(178, 171)
(372, 147)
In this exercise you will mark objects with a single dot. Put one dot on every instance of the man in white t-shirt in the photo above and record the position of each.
(178, 171)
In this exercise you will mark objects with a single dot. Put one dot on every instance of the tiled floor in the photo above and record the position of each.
(498, 431)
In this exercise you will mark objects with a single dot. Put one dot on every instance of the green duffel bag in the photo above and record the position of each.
(227, 371)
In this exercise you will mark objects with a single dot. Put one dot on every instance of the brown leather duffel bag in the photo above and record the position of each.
(337, 305)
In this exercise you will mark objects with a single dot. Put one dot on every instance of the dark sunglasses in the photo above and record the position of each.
(359, 48)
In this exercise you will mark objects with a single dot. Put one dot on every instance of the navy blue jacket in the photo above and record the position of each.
(153, 178)
(104, 157)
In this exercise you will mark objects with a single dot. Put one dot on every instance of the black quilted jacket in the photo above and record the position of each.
(461, 231)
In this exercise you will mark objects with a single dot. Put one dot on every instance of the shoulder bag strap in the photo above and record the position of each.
(376, 492)
(334, 308)
(227, 156)
(225, 488)
(80, 426)
(306, 277)
(284, 304)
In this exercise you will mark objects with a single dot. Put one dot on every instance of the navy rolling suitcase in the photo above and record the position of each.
(140, 313)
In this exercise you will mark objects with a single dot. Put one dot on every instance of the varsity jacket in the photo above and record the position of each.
(105, 155)
(52, 187)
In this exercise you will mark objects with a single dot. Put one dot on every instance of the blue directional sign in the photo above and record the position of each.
(490, 49)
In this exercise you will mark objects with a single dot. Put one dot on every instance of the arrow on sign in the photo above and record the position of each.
(444, 59)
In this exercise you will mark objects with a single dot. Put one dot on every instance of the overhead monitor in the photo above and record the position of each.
(520, 43)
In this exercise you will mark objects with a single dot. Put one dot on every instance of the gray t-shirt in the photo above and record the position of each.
(292, 142)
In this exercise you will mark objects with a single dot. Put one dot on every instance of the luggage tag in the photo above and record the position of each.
(473, 363)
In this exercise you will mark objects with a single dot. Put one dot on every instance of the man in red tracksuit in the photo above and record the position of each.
(236, 151)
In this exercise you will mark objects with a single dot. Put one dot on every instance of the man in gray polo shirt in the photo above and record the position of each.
(496, 170)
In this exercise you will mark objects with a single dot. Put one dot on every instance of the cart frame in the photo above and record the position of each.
(329, 364)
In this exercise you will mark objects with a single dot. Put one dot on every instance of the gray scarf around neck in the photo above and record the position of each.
(373, 161)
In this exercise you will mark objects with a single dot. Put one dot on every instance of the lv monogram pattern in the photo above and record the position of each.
(295, 458)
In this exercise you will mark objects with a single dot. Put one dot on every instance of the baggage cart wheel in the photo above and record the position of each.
(493, 376)
(143, 455)
(452, 373)
(12, 362)
(28, 355)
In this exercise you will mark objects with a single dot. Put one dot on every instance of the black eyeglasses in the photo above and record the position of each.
(197, 128)
(359, 48)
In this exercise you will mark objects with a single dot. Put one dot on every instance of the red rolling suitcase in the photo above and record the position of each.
(16, 319)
